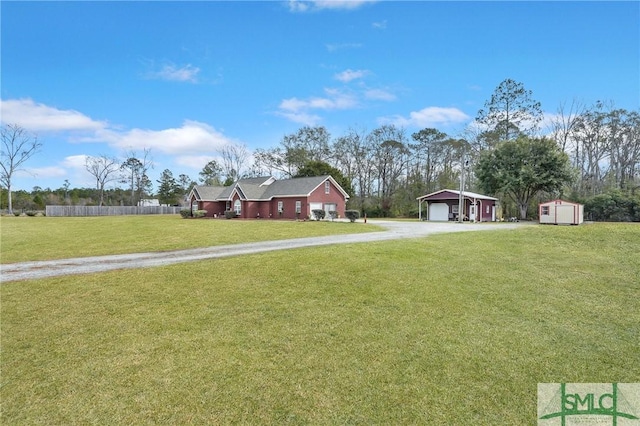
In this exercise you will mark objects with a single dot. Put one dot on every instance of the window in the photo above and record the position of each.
(454, 209)
(327, 186)
(298, 206)
(545, 211)
(237, 207)
(280, 207)
(487, 209)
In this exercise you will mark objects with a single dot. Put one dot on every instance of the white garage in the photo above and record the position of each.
(439, 211)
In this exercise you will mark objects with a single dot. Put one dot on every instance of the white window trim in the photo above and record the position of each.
(237, 206)
(327, 187)
(280, 206)
(298, 206)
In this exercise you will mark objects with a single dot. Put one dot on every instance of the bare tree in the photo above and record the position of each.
(105, 169)
(17, 147)
(136, 168)
(234, 157)
(564, 124)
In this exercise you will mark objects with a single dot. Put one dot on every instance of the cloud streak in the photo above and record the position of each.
(192, 137)
(37, 117)
(187, 73)
(299, 6)
(298, 110)
(428, 117)
(349, 75)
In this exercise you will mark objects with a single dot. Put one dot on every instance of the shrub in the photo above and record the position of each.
(199, 213)
(17, 213)
(352, 215)
(185, 213)
(229, 214)
(31, 213)
(613, 206)
(333, 214)
(318, 213)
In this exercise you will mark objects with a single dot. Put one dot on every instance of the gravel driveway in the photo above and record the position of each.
(88, 265)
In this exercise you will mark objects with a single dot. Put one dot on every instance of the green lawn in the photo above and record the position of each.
(453, 329)
(44, 238)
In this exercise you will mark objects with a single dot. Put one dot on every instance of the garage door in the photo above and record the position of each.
(314, 206)
(438, 211)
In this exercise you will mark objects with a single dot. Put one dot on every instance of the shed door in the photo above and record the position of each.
(439, 211)
(565, 214)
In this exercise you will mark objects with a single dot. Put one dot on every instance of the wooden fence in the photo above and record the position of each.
(61, 211)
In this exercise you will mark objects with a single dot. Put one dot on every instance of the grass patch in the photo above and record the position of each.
(45, 238)
(450, 329)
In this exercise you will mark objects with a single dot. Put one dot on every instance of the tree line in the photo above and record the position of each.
(586, 152)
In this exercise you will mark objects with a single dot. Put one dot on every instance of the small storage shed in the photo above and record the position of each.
(560, 212)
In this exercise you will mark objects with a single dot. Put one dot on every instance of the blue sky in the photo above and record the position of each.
(185, 78)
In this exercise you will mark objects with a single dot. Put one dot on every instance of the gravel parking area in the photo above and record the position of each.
(88, 265)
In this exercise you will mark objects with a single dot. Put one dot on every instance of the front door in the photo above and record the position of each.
(472, 212)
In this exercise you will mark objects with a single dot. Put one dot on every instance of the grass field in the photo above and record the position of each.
(453, 329)
(44, 238)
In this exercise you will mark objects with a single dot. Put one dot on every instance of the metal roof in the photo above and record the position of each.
(466, 194)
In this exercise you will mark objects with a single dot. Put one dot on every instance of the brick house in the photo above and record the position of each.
(267, 197)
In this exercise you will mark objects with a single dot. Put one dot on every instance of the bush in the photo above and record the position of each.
(229, 214)
(318, 214)
(17, 213)
(333, 214)
(614, 206)
(31, 213)
(199, 213)
(352, 215)
(185, 213)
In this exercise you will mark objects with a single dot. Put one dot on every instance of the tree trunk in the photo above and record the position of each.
(523, 210)
(9, 199)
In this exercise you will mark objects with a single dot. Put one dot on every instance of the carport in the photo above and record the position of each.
(443, 206)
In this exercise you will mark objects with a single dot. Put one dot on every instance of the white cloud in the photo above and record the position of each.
(75, 162)
(350, 75)
(298, 110)
(72, 168)
(192, 137)
(42, 172)
(316, 5)
(196, 162)
(428, 117)
(379, 95)
(334, 100)
(380, 25)
(38, 117)
(303, 118)
(170, 72)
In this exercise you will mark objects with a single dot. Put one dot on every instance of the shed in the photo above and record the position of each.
(560, 212)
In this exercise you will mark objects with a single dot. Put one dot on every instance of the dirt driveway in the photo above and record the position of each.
(88, 265)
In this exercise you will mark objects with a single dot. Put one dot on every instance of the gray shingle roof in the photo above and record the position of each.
(262, 188)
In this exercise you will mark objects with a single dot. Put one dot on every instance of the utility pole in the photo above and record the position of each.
(463, 165)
